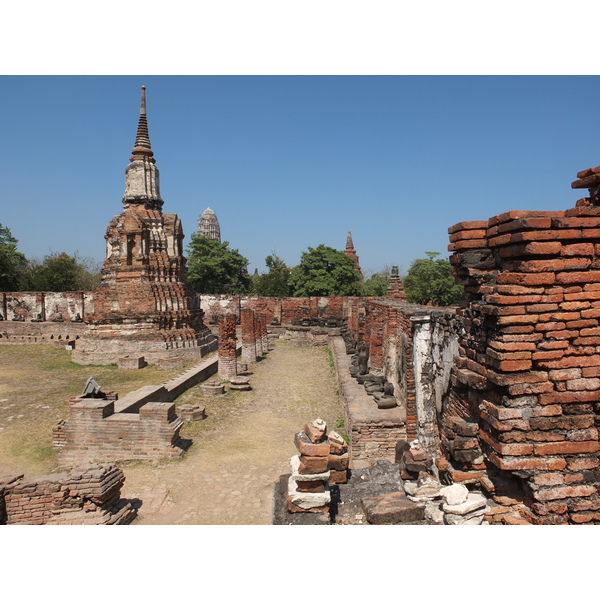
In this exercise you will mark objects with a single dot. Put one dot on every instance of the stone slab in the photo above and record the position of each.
(390, 509)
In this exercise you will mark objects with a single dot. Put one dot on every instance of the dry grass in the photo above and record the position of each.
(36, 382)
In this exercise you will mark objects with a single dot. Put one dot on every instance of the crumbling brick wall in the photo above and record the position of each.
(526, 387)
(88, 495)
(413, 348)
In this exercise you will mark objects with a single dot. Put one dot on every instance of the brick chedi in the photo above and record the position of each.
(523, 412)
(349, 251)
(144, 305)
(395, 290)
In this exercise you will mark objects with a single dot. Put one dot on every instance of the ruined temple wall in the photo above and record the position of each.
(285, 310)
(526, 387)
(50, 305)
(413, 347)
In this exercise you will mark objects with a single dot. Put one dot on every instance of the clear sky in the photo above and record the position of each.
(289, 162)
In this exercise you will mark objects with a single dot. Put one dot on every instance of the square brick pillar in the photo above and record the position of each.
(258, 336)
(227, 353)
(248, 336)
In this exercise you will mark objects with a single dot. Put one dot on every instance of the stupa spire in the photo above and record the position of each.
(141, 176)
(142, 139)
(349, 244)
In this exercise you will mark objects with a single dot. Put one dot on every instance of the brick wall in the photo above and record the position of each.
(87, 495)
(526, 387)
(45, 305)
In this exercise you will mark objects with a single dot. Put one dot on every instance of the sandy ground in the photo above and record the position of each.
(228, 474)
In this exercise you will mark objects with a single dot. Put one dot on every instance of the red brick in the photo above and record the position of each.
(467, 245)
(583, 463)
(553, 345)
(571, 361)
(527, 463)
(512, 378)
(557, 264)
(578, 277)
(467, 225)
(566, 491)
(566, 448)
(569, 397)
(564, 374)
(540, 308)
(562, 422)
(575, 385)
(518, 319)
(518, 389)
(514, 290)
(526, 279)
(470, 234)
(563, 234)
(560, 316)
(550, 354)
(578, 250)
(513, 346)
(506, 449)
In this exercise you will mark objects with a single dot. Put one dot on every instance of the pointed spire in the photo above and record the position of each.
(349, 244)
(142, 146)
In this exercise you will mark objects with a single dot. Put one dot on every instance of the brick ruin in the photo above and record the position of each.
(87, 495)
(501, 395)
(144, 305)
(522, 414)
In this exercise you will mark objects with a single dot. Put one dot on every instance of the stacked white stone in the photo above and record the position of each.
(308, 487)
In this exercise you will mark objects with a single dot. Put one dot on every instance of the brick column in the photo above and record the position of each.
(227, 354)
(263, 333)
(248, 336)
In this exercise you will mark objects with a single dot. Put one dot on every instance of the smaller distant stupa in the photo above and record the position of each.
(208, 225)
(349, 251)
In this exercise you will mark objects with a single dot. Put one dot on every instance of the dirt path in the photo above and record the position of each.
(228, 474)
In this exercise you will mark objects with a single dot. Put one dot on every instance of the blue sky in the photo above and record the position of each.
(289, 162)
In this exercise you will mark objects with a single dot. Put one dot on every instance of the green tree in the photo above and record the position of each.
(376, 285)
(12, 262)
(60, 273)
(56, 273)
(214, 268)
(275, 282)
(430, 281)
(324, 271)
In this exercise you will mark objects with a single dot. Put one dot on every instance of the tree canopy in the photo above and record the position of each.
(324, 271)
(12, 262)
(275, 282)
(60, 273)
(214, 268)
(376, 285)
(430, 281)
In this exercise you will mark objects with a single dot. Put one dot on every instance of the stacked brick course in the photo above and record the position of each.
(527, 381)
(87, 495)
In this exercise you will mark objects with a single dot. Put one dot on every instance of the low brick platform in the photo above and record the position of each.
(373, 432)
